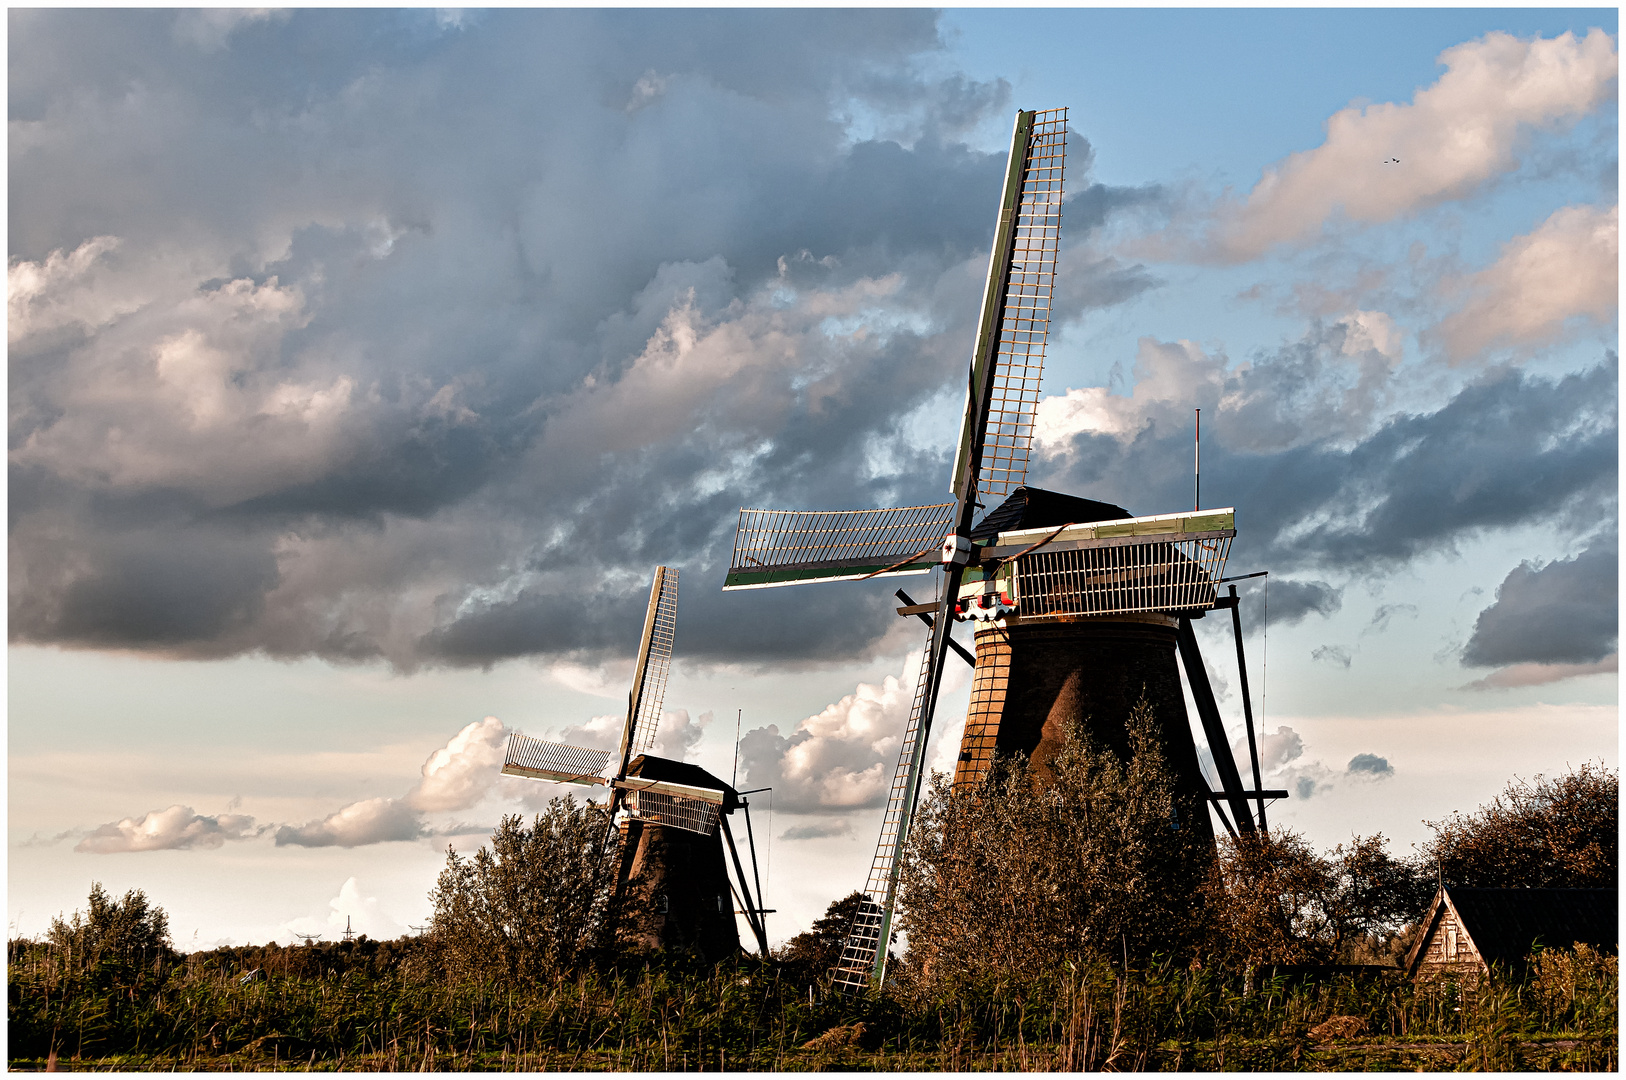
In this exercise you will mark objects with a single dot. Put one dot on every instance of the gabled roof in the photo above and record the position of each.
(1035, 508)
(1504, 925)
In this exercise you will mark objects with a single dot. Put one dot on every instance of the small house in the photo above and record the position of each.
(1467, 930)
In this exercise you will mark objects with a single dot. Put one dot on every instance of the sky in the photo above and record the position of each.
(364, 364)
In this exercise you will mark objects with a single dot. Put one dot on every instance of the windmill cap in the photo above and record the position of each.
(1036, 508)
(650, 767)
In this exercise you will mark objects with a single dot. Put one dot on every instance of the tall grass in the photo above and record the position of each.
(745, 1015)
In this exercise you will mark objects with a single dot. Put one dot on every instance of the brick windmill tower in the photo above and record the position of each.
(673, 892)
(1079, 606)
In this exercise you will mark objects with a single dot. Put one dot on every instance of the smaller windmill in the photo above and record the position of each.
(672, 884)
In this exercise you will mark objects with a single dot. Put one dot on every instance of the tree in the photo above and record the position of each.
(1558, 834)
(1375, 896)
(537, 902)
(113, 935)
(1008, 879)
(1268, 900)
(1274, 900)
(810, 955)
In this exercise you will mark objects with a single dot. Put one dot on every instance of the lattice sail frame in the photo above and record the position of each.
(790, 547)
(660, 631)
(1021, 282)
(558, 762)
(863, 951)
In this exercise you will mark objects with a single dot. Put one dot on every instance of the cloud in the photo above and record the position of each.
(1331, 654)
(461, 773)
(1282, 764)
(1370, 765)
(1291, 601)
(176, 828)
(370, 821)
(818, 830)
(280, 387)
(352, 910)
(1451, 140)
(1563, 612)
(839, 760)
(1338, 467)
(458, 776)
(1565, 271)
(1517, 675)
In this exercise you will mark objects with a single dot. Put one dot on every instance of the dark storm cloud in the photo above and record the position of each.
(1330, 476)
(1565, 612)
(388, 335)
(1286, 601)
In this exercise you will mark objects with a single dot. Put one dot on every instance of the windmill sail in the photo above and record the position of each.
(863, 955)
(790, 547)
(654, 663)
(995, 439)
(996, 436)
(558, 762)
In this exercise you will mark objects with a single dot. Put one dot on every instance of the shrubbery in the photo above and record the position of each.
(536, 903)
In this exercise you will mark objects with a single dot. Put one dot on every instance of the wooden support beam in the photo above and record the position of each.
(1208, 711)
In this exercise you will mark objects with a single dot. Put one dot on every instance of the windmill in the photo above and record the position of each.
(672, 884)
(1079, 606)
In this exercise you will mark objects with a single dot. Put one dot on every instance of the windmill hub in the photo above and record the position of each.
(956, 550)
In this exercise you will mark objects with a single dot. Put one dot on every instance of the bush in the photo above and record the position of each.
(1003, 880)
(114, 936)
(536, 903)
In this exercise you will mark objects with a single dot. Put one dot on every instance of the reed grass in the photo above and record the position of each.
(744, 1015)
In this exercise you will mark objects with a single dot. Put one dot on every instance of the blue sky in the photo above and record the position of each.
(365, 363)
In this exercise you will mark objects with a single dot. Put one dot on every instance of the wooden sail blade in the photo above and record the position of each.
(679, 811)
(789, 547)
(558, 762)
(996, 436)
(655, 658)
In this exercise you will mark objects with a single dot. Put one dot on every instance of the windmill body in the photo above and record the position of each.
(672, 891)
(1079, 607)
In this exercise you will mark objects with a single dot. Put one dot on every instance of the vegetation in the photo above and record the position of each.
(1004, 881)
(535, 904)
(1556, 834)
(516, 974)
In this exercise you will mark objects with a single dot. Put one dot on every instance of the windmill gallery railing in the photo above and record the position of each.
(1169, 563)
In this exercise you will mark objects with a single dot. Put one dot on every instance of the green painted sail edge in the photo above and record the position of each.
(768, 579)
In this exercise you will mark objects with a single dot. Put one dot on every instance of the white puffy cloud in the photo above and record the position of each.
(1450, 140)
(167, 830)
(1282, 764)
(1334, 381)
(351, 909)
(370, 821)
(839, 760)
(1566, 270)
(461, 773)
